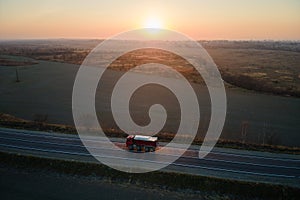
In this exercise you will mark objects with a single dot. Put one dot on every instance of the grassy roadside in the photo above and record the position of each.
(160, 180)
(10, 121)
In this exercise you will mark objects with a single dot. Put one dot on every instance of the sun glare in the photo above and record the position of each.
(153, 23)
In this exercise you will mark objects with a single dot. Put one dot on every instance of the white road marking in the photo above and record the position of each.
(176, 164)
(194, 157)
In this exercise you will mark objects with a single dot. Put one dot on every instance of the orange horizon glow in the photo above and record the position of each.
(208, 20)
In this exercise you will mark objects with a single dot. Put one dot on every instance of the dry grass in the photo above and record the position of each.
(272, 71)
(216, 188)
(10, 62)
(272, 67)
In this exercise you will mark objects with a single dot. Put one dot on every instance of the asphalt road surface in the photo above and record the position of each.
(226, 163)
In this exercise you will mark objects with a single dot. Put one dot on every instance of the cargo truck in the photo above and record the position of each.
(141, 143)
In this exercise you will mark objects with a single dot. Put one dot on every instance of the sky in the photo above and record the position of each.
(199, 19)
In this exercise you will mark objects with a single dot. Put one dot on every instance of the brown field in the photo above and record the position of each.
(266, 66)
(273, 71)
(8, 62)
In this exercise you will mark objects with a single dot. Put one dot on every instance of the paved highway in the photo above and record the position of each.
(226, 163)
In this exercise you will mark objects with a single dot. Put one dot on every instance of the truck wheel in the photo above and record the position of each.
(138, 148)
(151, 149)
(130, 147)
(147, 149)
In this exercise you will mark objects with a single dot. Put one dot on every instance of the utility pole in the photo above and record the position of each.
(245, 125)
(265, 127)
(17, 75)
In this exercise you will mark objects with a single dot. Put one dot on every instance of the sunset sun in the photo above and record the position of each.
(153, 22)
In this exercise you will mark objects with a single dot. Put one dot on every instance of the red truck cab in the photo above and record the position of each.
(141, 143)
